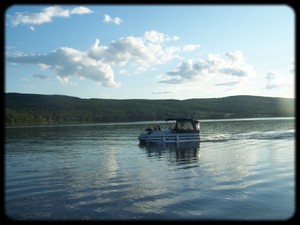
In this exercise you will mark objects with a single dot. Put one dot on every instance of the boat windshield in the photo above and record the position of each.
(185, 124)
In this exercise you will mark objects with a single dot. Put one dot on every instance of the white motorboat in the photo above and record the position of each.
(183, 130)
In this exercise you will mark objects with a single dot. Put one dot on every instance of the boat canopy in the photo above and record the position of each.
(185, 124)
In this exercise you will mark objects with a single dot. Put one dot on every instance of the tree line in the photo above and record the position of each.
(35, 109)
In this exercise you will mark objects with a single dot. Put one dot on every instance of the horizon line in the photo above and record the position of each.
(145, 98)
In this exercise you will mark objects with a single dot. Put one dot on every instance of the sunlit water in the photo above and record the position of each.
(241, 170)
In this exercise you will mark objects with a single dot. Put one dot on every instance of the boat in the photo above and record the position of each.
(183, 130)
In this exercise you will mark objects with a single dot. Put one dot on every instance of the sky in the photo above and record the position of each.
(150, 51)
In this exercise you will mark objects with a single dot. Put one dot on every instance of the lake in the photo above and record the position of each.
(243, 169)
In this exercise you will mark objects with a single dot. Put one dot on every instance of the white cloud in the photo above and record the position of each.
(136, 51)
(108, 19)
(230, 66)
(97, 63)
(46, 15)
(81, 10)
(154, 36)
(117, 20)
(158, 37)
(43, 66)
(63, 80)
(67, 62)
(189, 47)
(274, 80)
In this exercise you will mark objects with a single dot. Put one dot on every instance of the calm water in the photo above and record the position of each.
(241, 170)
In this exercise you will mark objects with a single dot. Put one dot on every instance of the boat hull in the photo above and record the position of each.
(161, 137)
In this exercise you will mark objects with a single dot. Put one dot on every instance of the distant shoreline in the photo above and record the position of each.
(34, 109)
(145, 122)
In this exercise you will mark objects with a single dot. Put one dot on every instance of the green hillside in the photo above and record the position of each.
(32, 109)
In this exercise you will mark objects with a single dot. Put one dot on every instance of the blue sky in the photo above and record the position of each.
(150, 51)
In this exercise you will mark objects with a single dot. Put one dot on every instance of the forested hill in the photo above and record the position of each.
(31, 109)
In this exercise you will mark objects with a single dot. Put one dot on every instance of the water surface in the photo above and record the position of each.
(241, 170)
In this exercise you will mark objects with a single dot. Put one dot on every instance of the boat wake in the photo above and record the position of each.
(273, 135)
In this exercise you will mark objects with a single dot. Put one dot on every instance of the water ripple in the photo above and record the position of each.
(90, 173)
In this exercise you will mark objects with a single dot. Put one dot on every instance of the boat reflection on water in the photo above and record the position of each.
(178, 153)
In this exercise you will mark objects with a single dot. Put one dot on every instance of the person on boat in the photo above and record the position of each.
(149, 130)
